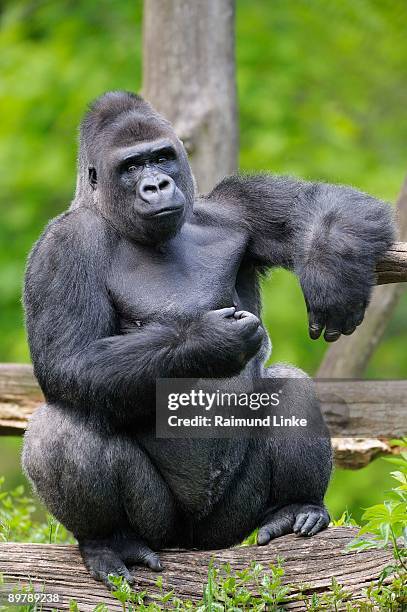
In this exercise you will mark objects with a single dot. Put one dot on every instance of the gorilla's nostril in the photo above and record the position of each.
(164, 184)
(150, 189)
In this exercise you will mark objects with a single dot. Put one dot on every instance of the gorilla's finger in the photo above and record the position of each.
(316, 321)
(360, 318)
(349, 326)
(333, 328)
(226, 312)
(242, 314)
(249, 322)
(349, 330)
(360, 314)
(332, 335)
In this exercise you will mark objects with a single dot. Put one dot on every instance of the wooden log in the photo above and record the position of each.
(306, 561)
(364, 408)
(393, 267)
(361, 415)
(352, 408)
(20, 395)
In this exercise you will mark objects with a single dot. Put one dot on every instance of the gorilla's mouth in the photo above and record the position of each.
(164, 212)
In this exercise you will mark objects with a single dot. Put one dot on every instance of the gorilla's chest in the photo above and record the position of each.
(193, 273)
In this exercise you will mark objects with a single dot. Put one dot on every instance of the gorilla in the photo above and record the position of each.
(144, 279)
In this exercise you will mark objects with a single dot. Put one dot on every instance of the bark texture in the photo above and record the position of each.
(189, 77)
(307, 561)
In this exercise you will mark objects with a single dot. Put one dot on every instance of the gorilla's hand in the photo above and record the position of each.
(234, 337)
(337, 306)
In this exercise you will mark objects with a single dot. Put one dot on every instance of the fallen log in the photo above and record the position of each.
(309, 565)
(361, 415)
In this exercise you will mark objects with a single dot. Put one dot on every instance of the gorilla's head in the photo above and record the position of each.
(135, 167)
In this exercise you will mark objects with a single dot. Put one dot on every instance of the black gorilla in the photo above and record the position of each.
(142, 279)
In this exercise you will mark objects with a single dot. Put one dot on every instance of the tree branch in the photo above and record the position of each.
(61, 569)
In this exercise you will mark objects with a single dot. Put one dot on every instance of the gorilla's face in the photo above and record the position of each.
(144, 180)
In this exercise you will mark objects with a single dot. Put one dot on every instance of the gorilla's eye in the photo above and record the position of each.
(131, 168)
(162, 159)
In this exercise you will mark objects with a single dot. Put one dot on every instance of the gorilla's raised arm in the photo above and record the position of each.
(79, 356)
(331, 236)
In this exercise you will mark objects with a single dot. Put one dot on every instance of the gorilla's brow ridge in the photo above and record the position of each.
(132, 127)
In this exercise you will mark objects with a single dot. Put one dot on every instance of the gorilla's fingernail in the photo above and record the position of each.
(332, 336)
(315, 332)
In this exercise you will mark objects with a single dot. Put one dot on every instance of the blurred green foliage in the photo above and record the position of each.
(322, 94)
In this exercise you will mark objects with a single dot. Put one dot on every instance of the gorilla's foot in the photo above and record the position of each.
(302, 519)
(114, 556)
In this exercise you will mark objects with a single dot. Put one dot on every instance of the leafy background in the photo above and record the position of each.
(322, 94)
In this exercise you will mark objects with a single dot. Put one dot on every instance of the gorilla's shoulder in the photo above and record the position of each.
(82, 231)
(236, 187)
(80, 223)
(218, 206)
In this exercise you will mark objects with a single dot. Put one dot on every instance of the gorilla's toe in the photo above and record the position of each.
(278, 526)
(302, 519)
(102, 562)
(137, 552)
(114, 556)
(310, 519)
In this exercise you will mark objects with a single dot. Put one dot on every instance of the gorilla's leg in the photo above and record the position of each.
(282, 481)
(301, 464)
(239, 510)
(103, 488)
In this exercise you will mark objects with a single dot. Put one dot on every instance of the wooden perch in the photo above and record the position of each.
(393, 267)
(306, 561)
(361, 415)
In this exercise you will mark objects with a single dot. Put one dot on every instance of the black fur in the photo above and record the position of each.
(116, 297)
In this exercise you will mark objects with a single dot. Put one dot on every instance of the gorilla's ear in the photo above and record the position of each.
(93, 179)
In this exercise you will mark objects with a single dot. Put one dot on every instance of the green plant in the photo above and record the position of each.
(335, 599)
(386, 526)
(17, 524)
(345, 520)
(248, 589)
(225, 591)
(123, 592)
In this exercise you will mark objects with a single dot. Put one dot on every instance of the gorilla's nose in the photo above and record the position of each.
(152, 189)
